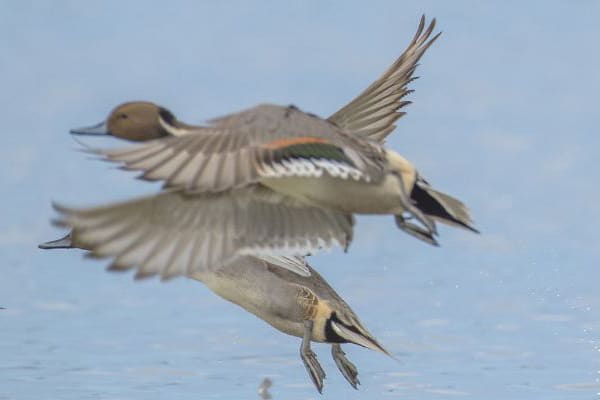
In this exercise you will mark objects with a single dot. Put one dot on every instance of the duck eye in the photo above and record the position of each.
(123, 116)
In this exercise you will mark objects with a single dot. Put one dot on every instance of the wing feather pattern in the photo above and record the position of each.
(172, 233)
(240, 149)
(374, 112)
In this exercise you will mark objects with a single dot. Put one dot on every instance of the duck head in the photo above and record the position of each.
(136, 121)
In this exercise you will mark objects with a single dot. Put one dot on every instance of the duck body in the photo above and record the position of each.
(384, 196)
(348, 196)
(251, 284)
(285, 181)
(303, 305)
(282, 298)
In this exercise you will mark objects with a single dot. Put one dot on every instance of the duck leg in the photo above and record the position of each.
(410, 208)
(310, 358)
(347, 368)
(415, 230)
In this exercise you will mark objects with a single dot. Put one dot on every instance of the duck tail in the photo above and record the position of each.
(358, 335)
(440, 206)
(345, 327)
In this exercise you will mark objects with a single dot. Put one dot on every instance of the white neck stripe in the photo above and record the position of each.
(171, 129)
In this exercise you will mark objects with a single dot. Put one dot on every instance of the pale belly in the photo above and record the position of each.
(253, 288)
(346, 195)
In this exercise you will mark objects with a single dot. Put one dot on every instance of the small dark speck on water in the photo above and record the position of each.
(263, 389)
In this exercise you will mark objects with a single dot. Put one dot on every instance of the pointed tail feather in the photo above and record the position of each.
(441, 207)
(360, 339)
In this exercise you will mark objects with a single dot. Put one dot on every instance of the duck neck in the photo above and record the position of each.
(171, 126)
(403, 167)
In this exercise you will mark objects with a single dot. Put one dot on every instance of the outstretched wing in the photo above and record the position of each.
(172, 233)
(240, 149)
(374, 112)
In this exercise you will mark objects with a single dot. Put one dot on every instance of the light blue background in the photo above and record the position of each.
(505, 116)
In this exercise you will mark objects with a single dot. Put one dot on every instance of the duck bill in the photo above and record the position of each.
(100, 129)
(63, 243)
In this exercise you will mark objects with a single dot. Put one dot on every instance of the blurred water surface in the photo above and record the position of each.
(505, 116)
(459, 332)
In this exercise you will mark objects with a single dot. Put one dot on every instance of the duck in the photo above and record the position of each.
(268, 180)
(301, 304)
(286, 292)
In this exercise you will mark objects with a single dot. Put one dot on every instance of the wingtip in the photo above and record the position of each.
(92, 255)
(169, 276)
(420, 28)
(58, 222)
(142, 275)
(58, 207)
(63, 210)
(430, 26)
(91, 150)
(116, 267)
(434, 38)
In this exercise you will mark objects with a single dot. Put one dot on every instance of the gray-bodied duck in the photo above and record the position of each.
(291, 296)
